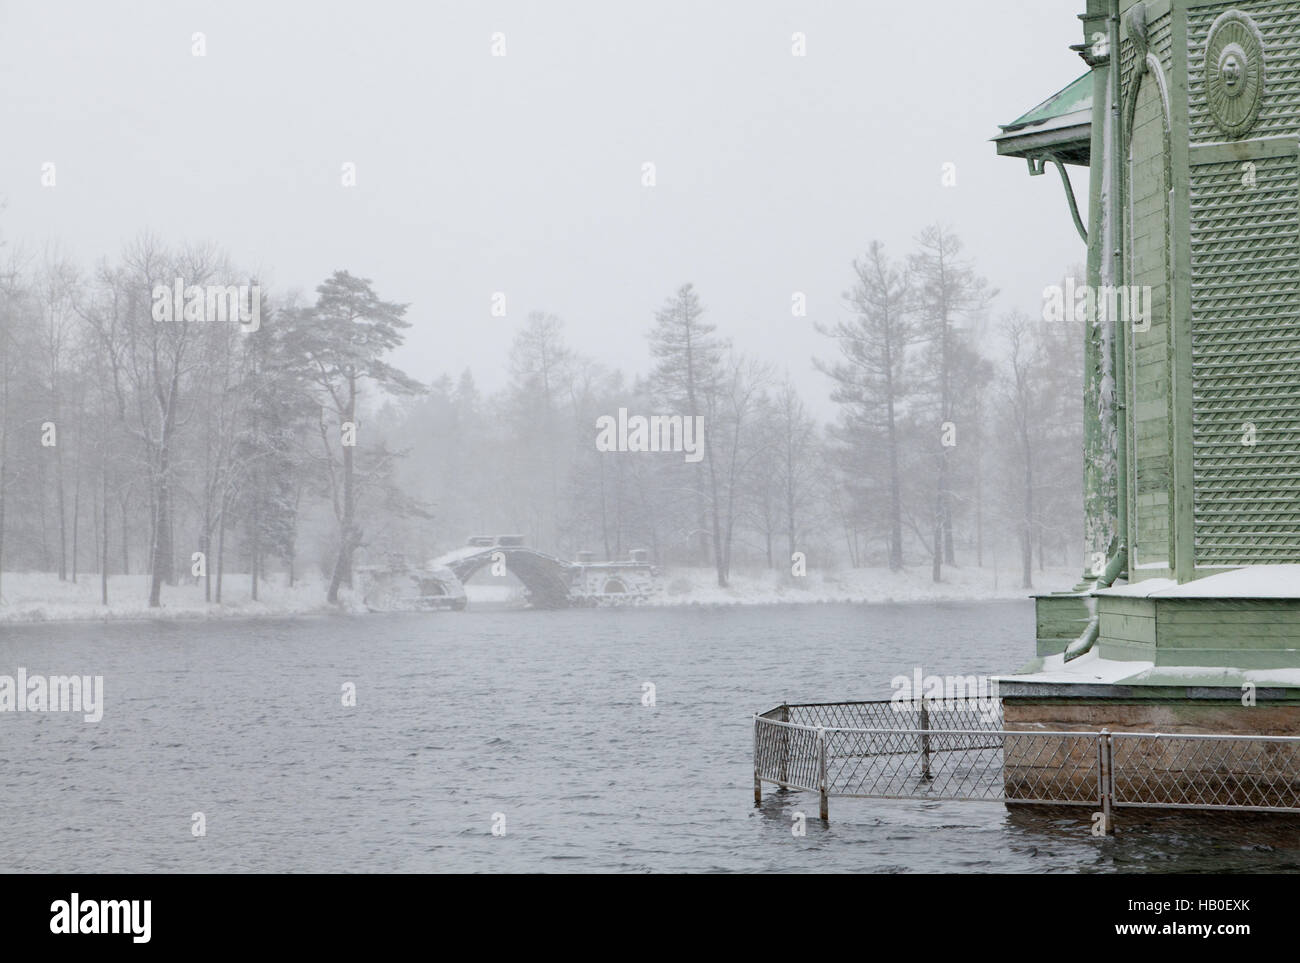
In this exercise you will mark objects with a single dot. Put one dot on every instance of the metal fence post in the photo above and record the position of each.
(758, 783)
(784, 772)
(1105, 780)
(821, 777)
(925, 740)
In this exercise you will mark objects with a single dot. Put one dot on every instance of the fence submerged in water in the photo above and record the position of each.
(938, 750)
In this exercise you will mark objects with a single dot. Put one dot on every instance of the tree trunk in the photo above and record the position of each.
(895, 499)
(790, 527)
(160, 554)
(720, 563)
(59, 501)
(256, 548)
(103, 544)
(126, 541)
(221, 547)
(1027, 546)
(936, 560)
(945, 508)
(4, 454)
(979, 510)
(4, 463)
(76, 516)
(604, 521)
(349, 537)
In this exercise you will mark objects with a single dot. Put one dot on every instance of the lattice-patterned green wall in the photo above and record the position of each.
(1245, 309)
(1246, 350)
(1214, 395)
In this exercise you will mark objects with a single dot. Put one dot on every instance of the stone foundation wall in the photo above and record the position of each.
(1154, 770)
(1154, 716)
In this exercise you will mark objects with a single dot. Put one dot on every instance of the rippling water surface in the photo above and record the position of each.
(537, 716)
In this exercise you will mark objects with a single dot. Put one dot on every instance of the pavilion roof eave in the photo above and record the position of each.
(1058, 129)
(1067, 138)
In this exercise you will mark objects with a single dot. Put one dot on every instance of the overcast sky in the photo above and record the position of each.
(523, 173)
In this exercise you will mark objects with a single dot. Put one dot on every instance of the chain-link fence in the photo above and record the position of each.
(897, 714)
(942, 750)
(1260, 773)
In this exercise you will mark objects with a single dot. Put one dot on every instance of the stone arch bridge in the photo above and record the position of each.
(551, 582)
(548, 579)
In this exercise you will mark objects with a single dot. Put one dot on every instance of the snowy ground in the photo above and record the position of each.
(41, 597)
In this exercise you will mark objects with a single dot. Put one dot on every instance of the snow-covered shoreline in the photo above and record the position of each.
(27, 597)
(41, 597)
(698, 586)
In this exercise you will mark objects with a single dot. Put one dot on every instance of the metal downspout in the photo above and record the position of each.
(1089, 636)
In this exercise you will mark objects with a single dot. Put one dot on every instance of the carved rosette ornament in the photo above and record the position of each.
(1234, 72)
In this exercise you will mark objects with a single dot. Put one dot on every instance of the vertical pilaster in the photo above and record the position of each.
(1099, 428)
(1182, 521)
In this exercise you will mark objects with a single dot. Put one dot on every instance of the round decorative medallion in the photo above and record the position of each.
(1234, 72)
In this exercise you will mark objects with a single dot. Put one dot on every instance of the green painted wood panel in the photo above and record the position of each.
(1148, 268)
(1128, 628)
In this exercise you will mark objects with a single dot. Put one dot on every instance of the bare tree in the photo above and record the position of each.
(1021, 397)
(948, 294)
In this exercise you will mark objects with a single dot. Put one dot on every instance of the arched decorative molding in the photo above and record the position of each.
(1149, 65)
(1148, 72)
(1135, 23)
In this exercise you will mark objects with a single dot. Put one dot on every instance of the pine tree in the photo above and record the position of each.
(340, 344)
(874, 381)
(688, 363)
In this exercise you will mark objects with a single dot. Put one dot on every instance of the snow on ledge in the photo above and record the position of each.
(1087, 668)
(1143, 589)
(1251, 582)
(1092, 669)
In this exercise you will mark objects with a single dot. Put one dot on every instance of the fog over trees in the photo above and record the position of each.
(293, 445)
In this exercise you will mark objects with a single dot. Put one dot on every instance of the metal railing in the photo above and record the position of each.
(886, 750)
(1171, 771)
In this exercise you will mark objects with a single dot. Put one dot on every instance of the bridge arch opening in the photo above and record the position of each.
(545, 578)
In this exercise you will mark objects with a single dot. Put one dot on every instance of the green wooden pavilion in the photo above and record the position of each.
(1187, 614)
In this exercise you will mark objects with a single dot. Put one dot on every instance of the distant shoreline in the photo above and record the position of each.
(39, 598)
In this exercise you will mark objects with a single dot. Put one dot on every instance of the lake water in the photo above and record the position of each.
(536, 716)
